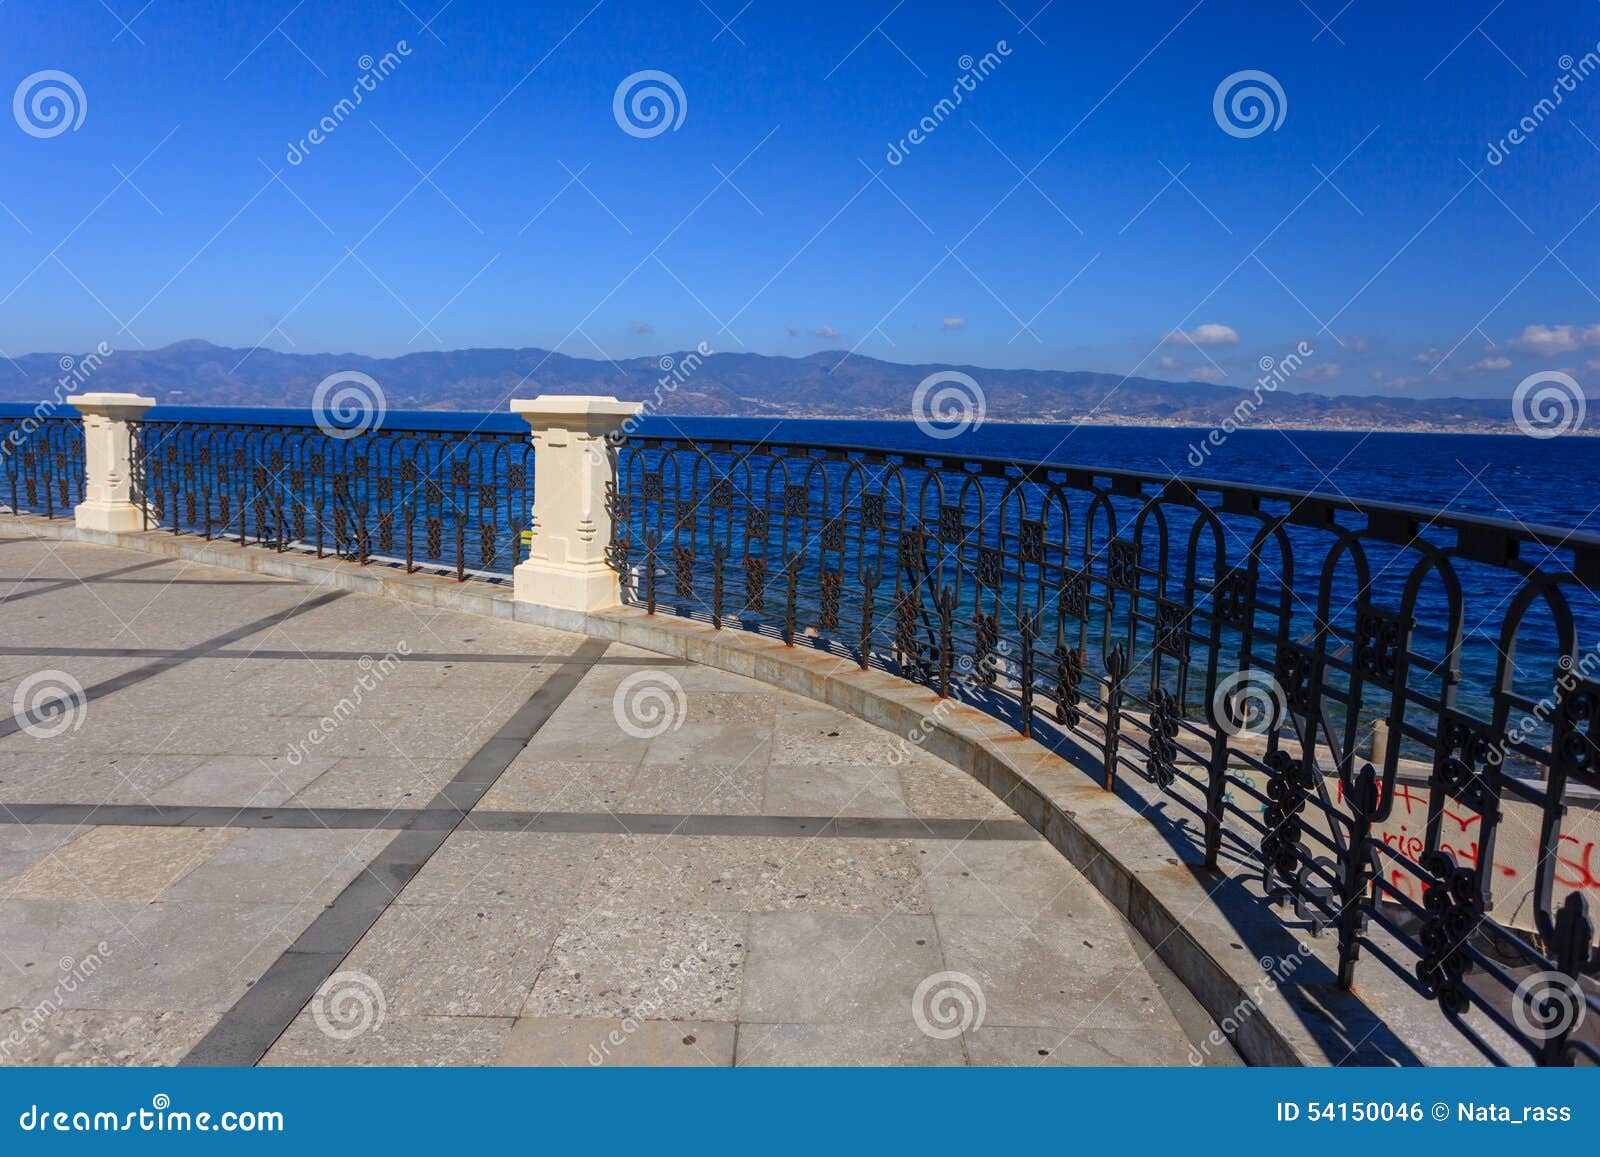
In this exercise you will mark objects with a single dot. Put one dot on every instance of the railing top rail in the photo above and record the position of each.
(1175, 487)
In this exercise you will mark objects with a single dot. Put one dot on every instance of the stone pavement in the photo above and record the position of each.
(246, 820)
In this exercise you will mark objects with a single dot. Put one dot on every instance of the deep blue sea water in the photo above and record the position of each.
(1554, 481)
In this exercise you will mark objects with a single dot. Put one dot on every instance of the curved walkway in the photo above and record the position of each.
(285, 825)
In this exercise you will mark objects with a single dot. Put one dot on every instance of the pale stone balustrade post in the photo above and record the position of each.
(110, 500)
(574, 457)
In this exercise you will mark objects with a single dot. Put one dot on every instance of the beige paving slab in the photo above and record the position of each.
(515, 869)
(593, 1042)
(118, 863)
(825, 790)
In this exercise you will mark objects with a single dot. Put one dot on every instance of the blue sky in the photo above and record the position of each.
(1080, 209)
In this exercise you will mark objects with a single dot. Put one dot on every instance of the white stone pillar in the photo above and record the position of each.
(573, 459)
(110, 502)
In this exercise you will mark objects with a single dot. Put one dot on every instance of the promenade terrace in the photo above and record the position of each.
(322, 751)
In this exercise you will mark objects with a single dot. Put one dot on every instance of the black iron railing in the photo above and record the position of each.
(41, 463)
(441, 500)
(1283, 667)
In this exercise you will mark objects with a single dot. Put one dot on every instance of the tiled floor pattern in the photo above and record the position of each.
(547, 927)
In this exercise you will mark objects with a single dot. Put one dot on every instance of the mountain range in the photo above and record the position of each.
(826, 384)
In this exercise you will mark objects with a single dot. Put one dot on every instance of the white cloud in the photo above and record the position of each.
(641, 327)
(825, 332)
(1500, 363)
(953, 323)
(1431, 356)
(794, 330)
(1208, 374)
(1208, 334)
(1168, 362)
(1323, 372)
(1555, 339)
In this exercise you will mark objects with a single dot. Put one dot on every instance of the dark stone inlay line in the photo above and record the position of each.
(65, 584)
(581, 823)
(335, 656)
(177, 658)
(248, 1029)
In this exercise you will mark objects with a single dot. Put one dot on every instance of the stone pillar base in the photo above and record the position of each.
(566, 588)
(116, 517)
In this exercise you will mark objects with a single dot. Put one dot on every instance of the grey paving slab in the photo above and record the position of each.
(845, 1045)
(194, 956)
(818, 789)
(697, 789)
(662, 966)
(243, 780)
(99, 1037)
(460, 959)
(756, 874)
(535, 784)
(1036, 974)
(281, 867)
(515, 869)
(385, 782)
(831, 968)
(394, 1040)
(1011, 1046)
(24, 847)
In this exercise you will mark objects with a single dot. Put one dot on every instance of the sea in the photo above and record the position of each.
(1551, 482)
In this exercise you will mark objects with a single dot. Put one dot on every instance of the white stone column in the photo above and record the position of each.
(110, 502)
(573, 459)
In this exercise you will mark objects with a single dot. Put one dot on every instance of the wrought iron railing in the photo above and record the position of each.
(1284, 668)
(41, 463)
(442, 500)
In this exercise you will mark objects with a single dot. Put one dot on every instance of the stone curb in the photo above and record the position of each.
(1198, 922)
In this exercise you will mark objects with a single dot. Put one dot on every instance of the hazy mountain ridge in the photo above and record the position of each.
(732, 384)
